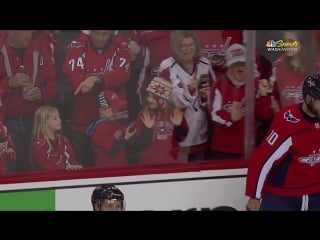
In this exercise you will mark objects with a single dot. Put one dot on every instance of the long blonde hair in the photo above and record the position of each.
(308, 53)
(175, 42)
(41, 117)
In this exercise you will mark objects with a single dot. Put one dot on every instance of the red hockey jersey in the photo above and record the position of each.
(288, 160)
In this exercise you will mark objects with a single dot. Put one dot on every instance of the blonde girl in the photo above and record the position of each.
(50, 149)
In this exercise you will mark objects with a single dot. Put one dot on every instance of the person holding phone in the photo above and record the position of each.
(184, 69)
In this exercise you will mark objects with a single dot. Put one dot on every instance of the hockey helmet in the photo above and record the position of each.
(107, 192)
(311, 86)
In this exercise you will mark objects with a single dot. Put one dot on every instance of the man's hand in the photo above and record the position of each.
(86, 85)
(34, 94)
(236, 113)
(19, 80)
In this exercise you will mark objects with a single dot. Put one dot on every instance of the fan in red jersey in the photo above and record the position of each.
(93, 63)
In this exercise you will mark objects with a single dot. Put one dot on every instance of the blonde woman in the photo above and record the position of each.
(184, 70)
(50, 149)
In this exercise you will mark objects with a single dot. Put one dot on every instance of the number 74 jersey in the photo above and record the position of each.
(288, 160)
(111, 64)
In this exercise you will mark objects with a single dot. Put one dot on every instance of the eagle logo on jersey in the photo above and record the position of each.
(288, 116)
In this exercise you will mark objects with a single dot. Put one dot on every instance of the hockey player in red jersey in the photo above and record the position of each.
(284, 171)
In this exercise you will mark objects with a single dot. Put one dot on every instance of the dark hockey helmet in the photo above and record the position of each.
(311, 86)
(107, 192)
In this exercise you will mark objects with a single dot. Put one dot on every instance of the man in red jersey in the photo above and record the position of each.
(92, 64)
(284, 171)
(25, 64)
(148, 48)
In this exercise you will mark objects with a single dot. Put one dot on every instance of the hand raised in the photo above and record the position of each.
(176, 116)
(148, 120)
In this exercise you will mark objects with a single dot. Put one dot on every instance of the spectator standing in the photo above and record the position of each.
(30, 81)
(93, 63)
(183, 70)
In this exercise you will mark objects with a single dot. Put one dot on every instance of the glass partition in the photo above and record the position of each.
(115, 99)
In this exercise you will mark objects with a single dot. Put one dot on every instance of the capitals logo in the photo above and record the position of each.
(312, 159)
(288, 116)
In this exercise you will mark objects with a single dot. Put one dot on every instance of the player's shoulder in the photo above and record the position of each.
(289, 115)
